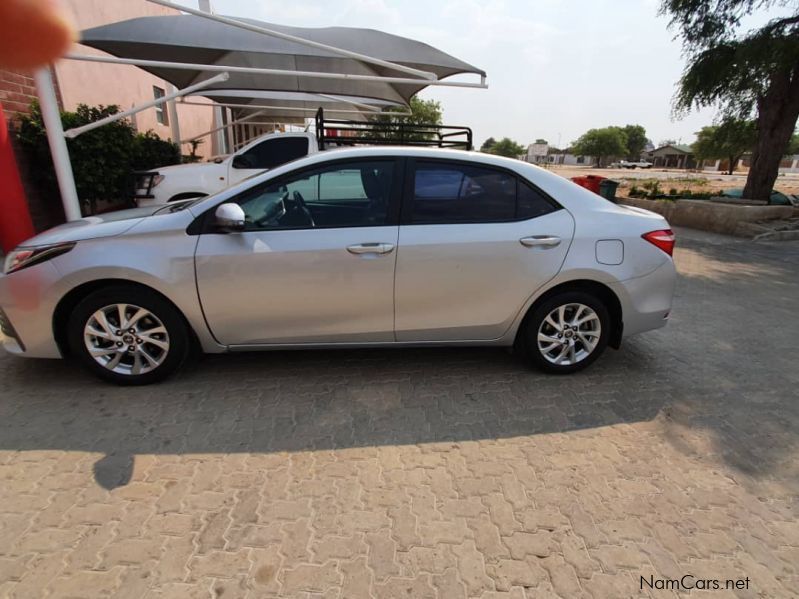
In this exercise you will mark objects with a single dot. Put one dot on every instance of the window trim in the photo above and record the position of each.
(203, 224)
(161, 110)
(408, 196)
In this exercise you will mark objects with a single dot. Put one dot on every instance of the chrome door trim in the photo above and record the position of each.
(371, 248)
(544, 241)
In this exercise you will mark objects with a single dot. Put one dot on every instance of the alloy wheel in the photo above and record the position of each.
(569, 334)
(126, 339)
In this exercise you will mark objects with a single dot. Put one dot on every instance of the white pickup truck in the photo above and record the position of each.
(631, 164)
(185, 181)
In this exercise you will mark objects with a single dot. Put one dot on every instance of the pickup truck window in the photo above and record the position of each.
(272, 152)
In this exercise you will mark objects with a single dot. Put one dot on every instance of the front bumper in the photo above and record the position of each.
(28, 299)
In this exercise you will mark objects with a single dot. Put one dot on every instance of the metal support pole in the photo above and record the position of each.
(74, 132)
(174, 122)
(223, 127)
(279, 72)
(58, 145)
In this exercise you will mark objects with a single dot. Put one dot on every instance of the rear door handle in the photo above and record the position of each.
(544, 241)
(370, 248)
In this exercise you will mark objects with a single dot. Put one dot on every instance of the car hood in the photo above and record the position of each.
(93, 227)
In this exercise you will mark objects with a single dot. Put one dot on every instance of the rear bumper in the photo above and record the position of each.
(27, 299)
(646, 301)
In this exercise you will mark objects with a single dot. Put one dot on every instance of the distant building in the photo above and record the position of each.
(672, 156)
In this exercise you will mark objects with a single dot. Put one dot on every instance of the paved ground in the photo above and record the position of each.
(441, 473)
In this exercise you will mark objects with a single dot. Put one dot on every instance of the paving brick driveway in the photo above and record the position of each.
(436, 473)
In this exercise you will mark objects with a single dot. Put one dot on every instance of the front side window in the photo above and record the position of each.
(352, 194)
(272, 153)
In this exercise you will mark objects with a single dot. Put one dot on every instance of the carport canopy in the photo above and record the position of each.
(256, 62)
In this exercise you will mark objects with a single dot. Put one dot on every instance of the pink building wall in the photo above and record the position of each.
(95, 83)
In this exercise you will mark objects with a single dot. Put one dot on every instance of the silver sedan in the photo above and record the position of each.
(367, 247)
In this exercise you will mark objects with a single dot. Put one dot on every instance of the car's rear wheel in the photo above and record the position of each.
(567, 332)
(128, 335)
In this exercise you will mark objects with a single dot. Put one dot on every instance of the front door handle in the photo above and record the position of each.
(370, 248)
(544, 241)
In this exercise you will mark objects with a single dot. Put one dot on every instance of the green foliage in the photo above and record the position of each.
(636, 140)
(540, 140)
(507, 147)
(726, 67)
(102, 159)
(610, 141)
(150, 152)
(729, 140)
(423, 112)
(487, 145)
(793, 146)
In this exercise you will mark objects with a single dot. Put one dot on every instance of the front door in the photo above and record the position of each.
(315, 263)
(475, 244)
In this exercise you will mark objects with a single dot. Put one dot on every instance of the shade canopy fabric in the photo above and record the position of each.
(194, 39)
(290, 104)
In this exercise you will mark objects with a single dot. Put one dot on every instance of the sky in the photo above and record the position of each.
(556, 68)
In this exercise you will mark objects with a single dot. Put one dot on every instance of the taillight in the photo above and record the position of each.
(664, 239)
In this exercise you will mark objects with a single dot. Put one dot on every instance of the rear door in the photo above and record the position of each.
(475, 243)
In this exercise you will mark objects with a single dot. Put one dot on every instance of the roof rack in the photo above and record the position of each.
(340, 132)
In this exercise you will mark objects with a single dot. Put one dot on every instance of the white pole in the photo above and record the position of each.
(223, 127)
(75, 131)
(426, 75)
(189, 66)
(58, 145)
(174, 123)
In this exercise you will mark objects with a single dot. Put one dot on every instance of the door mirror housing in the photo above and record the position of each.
(230, 217)
(241, 161)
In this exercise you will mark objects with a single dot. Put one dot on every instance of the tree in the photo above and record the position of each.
(667, 142)
(730, 140)
(636, 140)
(423, 112)
(751, 73)
(507, 147)
(541, 141)
(488, 144)
(610, 141)
(102, 159)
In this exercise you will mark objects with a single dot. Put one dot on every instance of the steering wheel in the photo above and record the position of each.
(300, 204)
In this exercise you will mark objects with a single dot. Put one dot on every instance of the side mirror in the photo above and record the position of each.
(241, 161)
(229, 217)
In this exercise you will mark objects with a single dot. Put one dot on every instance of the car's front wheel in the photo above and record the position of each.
(567, 332)
(128, 335)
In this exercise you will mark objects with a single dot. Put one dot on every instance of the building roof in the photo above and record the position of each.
(679, 148)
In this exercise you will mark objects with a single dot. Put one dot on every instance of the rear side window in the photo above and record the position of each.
(274, 152)
(461, 193)
(531, 203)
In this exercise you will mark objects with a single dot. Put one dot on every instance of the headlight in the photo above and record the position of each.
(25, 257)
(157, 180)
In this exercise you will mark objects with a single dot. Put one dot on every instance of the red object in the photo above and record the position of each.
(664, 239)
(15, 220)
(590, 182)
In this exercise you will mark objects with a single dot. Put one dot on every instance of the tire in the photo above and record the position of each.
(157, 339)
(596, 331)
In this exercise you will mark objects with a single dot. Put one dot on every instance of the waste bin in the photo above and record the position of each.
(607, 189)
(590, 182)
